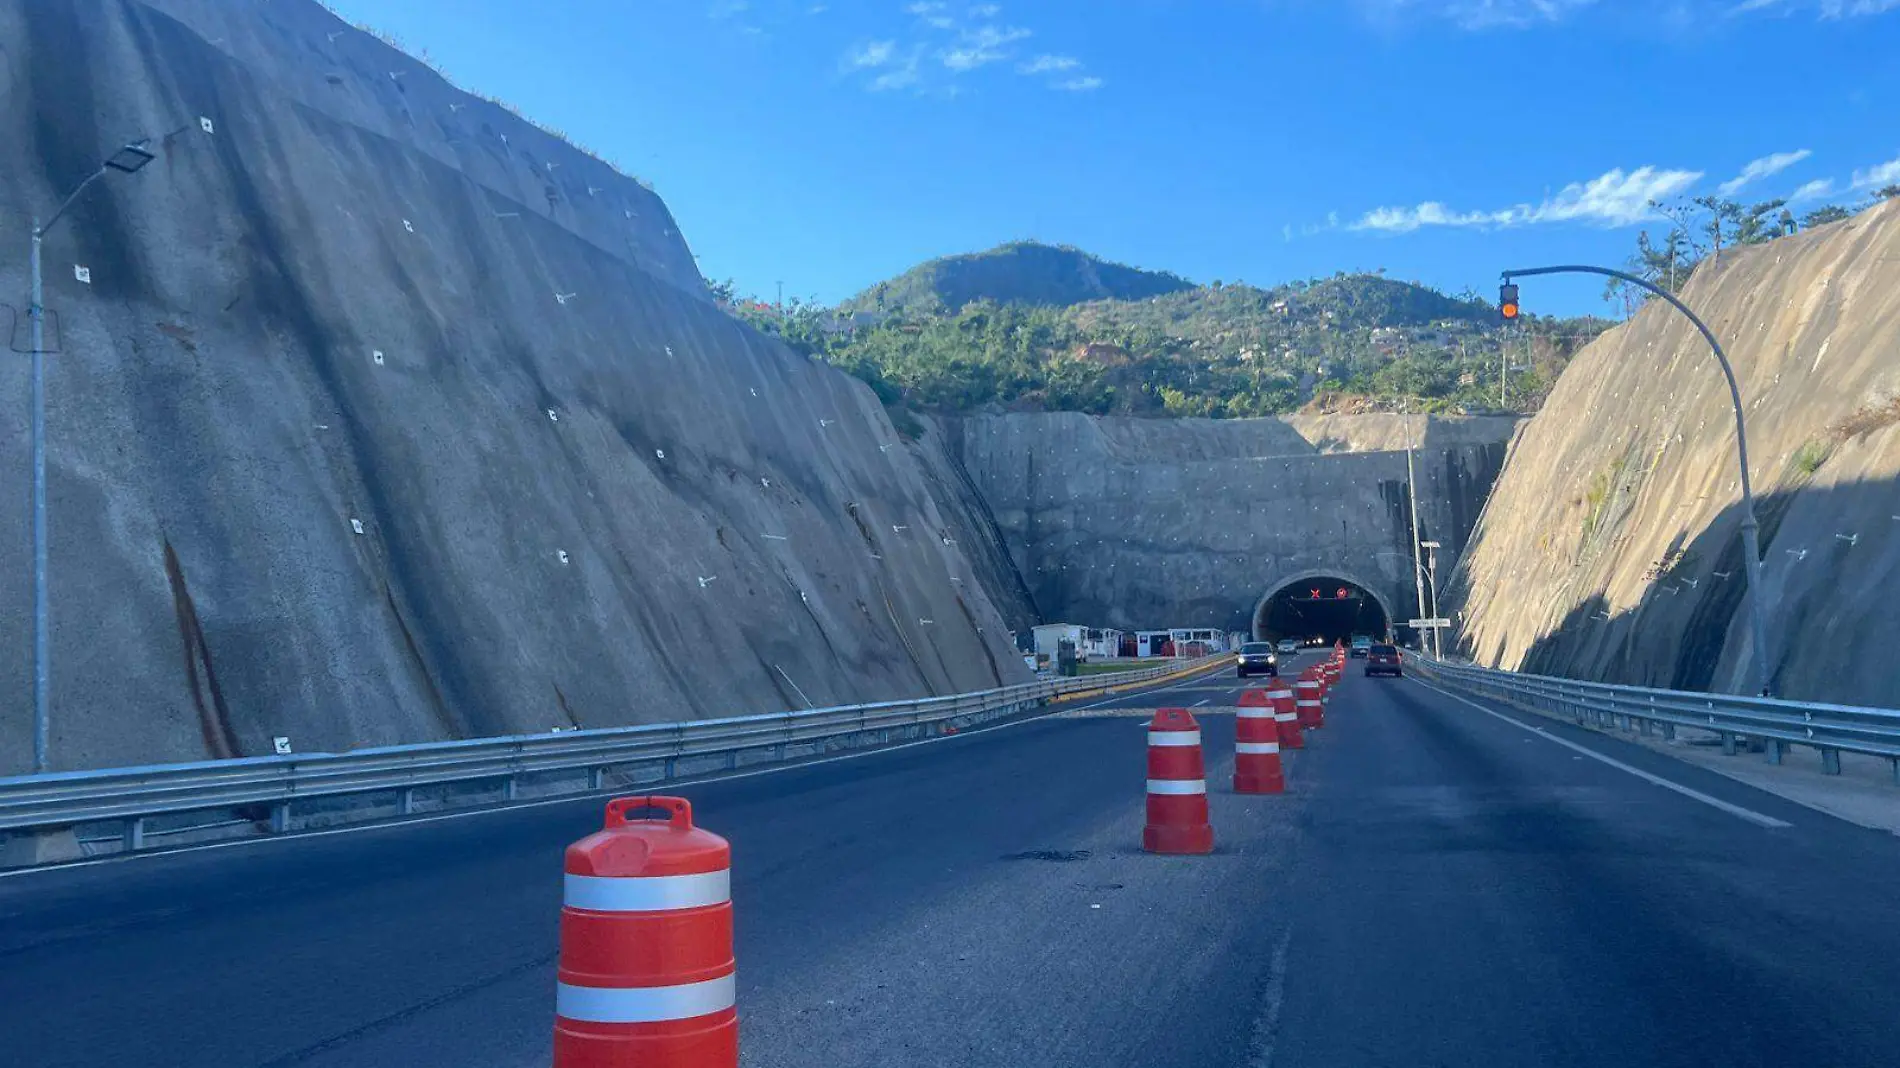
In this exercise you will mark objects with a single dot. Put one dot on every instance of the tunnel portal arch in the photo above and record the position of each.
(1322, 578)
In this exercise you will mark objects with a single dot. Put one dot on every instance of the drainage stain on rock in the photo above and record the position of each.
(1059, 856)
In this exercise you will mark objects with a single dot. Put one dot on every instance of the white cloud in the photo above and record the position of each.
(1762, 168)
(1476, 14)
(1614, 198)
(1524, 14)
(874, 54)
(1878, 176)
(1049, 65)
(903, 75)
(959, 39)
(982, 46)
(1814, 190)
(1827, 9)
(932, 13)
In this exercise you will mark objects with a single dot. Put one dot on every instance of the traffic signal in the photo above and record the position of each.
(1507, 302)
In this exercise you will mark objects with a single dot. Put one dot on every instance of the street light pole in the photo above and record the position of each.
(127, 160)
(1751, 531)
(42, 715)
(1418, 567)
(1431, 577)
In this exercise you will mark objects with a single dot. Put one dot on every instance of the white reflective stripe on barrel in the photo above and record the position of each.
(1256, 747)
(643, 1004)
(1310, 704)
(651, 893)
(1255, 713)
(1287, 717)
(1177, 787)
(1174, 737)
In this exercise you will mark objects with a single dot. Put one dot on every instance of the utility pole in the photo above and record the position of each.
(781, 300)
(1418, 567)
(1504, 367)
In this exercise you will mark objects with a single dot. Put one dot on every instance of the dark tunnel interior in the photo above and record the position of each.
(1330, 609)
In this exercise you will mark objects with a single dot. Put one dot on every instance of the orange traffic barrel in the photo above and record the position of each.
(1286, 715)
(646, 968)
(1257, 747)
(1177, 786)
(1321, 674)
(1306, 700)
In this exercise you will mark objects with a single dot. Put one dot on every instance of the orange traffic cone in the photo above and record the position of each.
(1257, 747)
(646, 969)
(1306, 700)
(1177, 786)
(1286, 714)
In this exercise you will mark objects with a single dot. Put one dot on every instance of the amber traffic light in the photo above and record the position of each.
(1507, 302)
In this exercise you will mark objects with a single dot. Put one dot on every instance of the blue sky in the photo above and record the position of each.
(829, 144)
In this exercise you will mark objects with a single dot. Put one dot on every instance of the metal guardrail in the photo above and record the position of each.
(1830, 729)
(36, 804)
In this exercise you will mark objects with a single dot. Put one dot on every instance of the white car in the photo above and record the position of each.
(1289, 645)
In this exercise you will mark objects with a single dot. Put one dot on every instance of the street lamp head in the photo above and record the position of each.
(130, 158)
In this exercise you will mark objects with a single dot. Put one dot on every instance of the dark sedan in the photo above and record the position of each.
(1257, 658)
(1384, 660)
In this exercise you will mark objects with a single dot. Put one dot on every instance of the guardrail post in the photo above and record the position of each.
(1728, 743)
(1893, 764)
(280, 817)
(732, 760)
(1668, 731)
(778, 753)
(597, 777)
(406, 802)
(1774, 751)
(1830, 761)
(508, 788)
(135, 834)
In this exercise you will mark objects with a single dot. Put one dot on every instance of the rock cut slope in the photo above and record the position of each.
(386, 416)
(1610, 548)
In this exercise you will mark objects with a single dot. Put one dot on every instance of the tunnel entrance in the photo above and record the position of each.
(1322, 606)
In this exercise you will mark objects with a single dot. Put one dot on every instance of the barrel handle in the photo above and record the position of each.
(679, 811)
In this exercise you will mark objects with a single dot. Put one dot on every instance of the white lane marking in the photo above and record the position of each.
(644, 1004)
(1202, 701)
(1267, 1029)
(575, 799)
(649, 893)
(1177, 787)
(1715, 802)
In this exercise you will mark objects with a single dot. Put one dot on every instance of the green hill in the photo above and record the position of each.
(1022, 272)
(1025, 327)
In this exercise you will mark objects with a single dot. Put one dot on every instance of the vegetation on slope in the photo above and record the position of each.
(1022, 272)
(1351, 342)
(1700, 229)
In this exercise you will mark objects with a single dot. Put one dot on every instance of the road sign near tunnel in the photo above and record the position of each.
(1428, 624)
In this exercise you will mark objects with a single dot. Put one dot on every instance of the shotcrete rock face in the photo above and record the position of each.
(1610, 549)
(387, 417)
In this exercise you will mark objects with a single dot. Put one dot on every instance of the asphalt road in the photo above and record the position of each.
(1441, 885)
